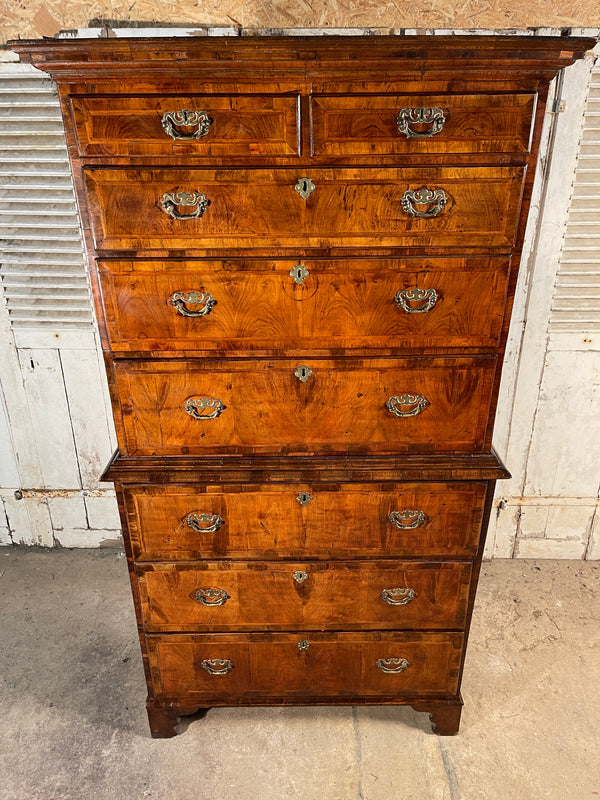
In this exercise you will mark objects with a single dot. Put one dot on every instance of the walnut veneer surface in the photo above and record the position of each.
(303, 253)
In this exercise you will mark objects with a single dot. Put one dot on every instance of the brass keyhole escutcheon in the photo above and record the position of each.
(305, 187)
(299, 273)
(303, 373)
(304, 498)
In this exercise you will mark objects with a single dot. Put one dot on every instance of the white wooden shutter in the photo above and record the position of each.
(41, 258)
(576, 304)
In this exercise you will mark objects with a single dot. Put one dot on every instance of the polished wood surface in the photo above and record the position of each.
(240, 125)
(304, 595)
(368, 124)
(336, 664)
(291, 591)
(342, 303)
(260, 207)
(268, 522)
(340, 408)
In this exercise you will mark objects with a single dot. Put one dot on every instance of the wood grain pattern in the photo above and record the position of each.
(324, 109)
(241, 125)
(339, 522)
(340, 408)
(367, 124)
(343, 303)
(333, 596)
(261, 207)
(335, 665)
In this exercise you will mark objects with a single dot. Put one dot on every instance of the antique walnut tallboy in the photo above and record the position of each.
(303, 252)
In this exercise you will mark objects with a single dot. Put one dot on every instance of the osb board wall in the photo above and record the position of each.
(35, 18)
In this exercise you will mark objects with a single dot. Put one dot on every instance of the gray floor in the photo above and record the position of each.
(73, 721)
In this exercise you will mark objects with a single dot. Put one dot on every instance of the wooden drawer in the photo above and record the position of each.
(385, 124)
(304, 521)
(355, 595)
(235, 125)
(262, 208)
(303, 304)
(251, 667)
(344, 405)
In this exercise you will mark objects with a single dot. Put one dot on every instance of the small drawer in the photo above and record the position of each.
(304, 304)
(304, 521)
(376, 125)
(197, 125)
(193, 209)
(304, 406)
(221, 596)
(223, 669)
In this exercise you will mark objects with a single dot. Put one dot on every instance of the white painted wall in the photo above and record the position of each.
(56, 432)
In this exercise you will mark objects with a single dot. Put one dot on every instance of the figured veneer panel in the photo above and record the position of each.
(368, 124)
(345, 303)
(240, 125)
(261, 208)
(341, 407)
(351, 520)
(339, 665)
(304, 595)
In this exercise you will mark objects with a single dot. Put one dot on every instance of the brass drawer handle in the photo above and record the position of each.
(413, 403)
(392, 664)
(435, 198)
(217, 666)
(184, 118)
(210, 597)
(204, 407)
(300, 576)
(399, 596)
(407, 520)
(203, 299)
(305, 187)
(171, 202)
(427, 298)
(204, 523)
(434, 117)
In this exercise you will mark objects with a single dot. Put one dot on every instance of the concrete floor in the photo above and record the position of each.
(74, 727)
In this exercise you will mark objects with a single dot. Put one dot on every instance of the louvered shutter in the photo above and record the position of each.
(576, 303)
(41, 258)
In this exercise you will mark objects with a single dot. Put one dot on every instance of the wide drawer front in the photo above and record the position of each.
(369, 125)
(243, 667)
(348, 405)
(315, 595)
(147, 209)
(197, 125)
(303, 303)
(300, 521)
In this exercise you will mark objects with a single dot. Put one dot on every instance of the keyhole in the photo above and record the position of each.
(303, 373)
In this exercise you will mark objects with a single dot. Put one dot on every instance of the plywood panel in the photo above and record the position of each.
(46, 17)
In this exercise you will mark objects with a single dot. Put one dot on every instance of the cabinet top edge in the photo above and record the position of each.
(150, 54)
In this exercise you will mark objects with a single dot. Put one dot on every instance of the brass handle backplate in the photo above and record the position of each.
(392, 664)
(398, 597)
(426, 299)
(204, 407)
(184, 118)
(407, 405)
(217, 666)
(435, 199)
(210, 597)
(181, 299)
(434, 117)
(204, 523)
(171, 202)
(407, 520)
